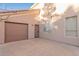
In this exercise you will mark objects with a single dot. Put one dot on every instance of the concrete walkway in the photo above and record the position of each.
(37, 47)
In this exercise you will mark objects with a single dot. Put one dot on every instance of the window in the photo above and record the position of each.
(71, 26)
(48, 26)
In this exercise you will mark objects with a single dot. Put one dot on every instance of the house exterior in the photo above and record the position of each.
(65, 28)
(11, 20)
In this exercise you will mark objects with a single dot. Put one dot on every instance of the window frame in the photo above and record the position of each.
(71, 36)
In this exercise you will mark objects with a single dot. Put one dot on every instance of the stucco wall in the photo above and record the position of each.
(29, 19)
(2, 32)
(25, 19)
(58, 33)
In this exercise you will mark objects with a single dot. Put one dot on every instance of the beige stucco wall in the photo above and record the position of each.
(58, 33)
(22, 18)
(25, 19)
(2, 32)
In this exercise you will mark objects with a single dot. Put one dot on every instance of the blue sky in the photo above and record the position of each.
(15, 6)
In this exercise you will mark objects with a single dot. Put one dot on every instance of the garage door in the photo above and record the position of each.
(15, 31)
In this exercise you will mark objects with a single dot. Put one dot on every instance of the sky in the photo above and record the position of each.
(15, 6)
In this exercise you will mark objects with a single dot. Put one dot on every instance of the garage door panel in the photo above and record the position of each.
(15, 31)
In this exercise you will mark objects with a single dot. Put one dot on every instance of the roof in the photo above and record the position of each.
(28, 12)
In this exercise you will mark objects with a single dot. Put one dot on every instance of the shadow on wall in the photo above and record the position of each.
(58, 30)
(68, 13)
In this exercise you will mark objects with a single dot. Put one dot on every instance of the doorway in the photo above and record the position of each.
(36, 31)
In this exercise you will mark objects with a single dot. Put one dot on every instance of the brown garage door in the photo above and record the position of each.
(15, 31)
